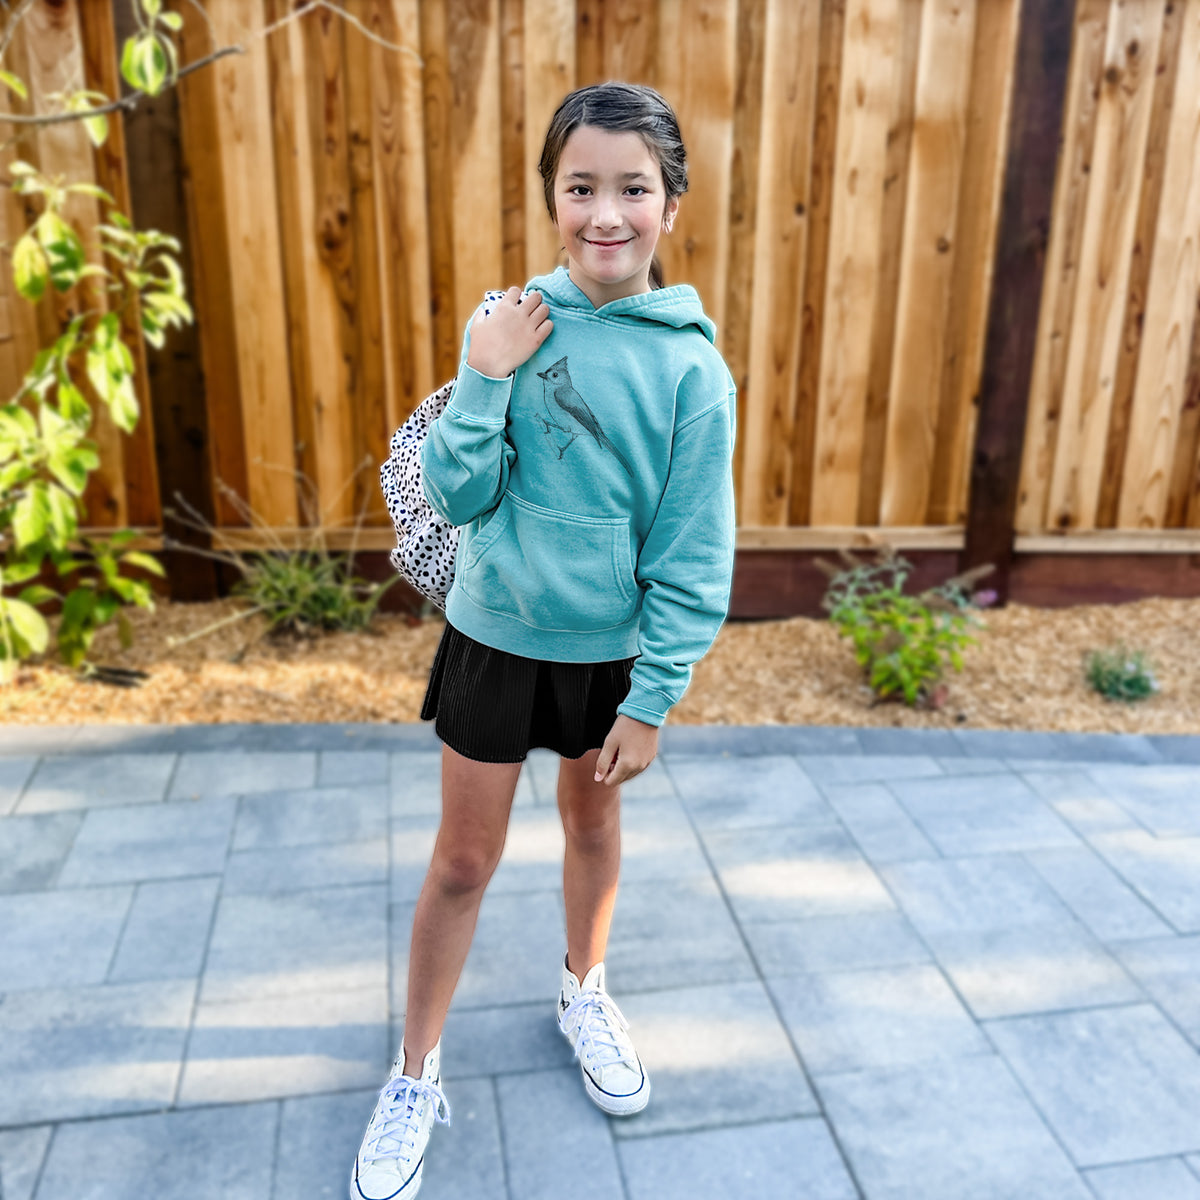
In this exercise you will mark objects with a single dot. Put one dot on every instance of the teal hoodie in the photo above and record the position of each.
(594, 489)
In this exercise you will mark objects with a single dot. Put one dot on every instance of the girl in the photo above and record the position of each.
(586, 454)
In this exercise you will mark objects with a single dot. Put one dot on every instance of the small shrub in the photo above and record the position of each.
(904, 643)
(301, 590)
(1121, 674)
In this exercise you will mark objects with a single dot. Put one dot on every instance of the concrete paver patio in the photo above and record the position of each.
(858, 963)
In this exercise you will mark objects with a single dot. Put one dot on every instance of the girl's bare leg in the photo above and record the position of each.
(591, 817)
(476, 800)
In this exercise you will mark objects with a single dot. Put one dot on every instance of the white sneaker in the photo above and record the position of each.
(613, 1075)
(389, 1162)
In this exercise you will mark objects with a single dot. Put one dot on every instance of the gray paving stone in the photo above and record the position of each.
(533, 852)
(298, 868)
(1176, 747)
(808, 739)
(1169, 970)
(1107, 747)
(1165, 872)
(33, 848)
(97, 780)
(1096, 895)
(745, 793)
(1079, 800)
(312, 816)
(538, 1156)
(287, 1046)
(789, 874)
(854, 942)
(825, 769)
(881, 827)
(657, 839)
(723, 740)
(18, 740)
(974, 895)
(128, 739)
(157, 841)
(1004, 972)
(213, 1154)
(982, 814)
(53, 939)
(1115, 1084)
(1165, 1179)
(670, 937)
(909, 741)
(465, 1159)
(1161, 798)
(167, 931)
(14, 774)
(516, 956)
(21, 1155)
(342, 768)
(709, 1052)
(1009, 744)
(204, 773)
(67, 1053)
(503, 1040)
(411, 852)
(857, 1020)
(319, 1137)
(325, 939)
(972, 766)
(541, 772)
(774, 1161)
(946, 1130)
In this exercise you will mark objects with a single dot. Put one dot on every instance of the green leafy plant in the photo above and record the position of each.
(903, 642)
(1118, 673)
(302, 590)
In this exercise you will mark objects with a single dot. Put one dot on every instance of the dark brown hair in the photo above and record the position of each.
(619, 108)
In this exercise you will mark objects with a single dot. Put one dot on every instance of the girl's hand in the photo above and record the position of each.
(627, 751)
(502, 342)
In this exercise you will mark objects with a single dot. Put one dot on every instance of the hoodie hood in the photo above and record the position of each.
(677, 306)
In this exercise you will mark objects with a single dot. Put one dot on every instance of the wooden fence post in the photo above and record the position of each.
(1034, 138)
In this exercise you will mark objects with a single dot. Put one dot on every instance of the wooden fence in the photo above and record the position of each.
(344, 203)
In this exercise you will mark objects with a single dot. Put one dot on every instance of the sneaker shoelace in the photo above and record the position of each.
(602, 1039)
(398, 1120)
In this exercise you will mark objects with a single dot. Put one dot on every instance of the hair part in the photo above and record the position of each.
(618, 108)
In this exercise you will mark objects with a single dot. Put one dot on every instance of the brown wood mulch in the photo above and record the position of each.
(1026, 672)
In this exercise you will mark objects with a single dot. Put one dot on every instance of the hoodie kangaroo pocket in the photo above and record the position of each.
(552, 570)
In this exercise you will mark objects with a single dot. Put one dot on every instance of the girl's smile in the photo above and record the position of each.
(611, 208)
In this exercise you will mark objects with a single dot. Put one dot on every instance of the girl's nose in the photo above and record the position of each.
(606, 213)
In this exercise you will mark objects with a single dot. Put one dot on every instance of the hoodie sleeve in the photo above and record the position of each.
(686, 563)
(465, 459)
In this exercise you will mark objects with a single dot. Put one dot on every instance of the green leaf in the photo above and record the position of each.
(15, 84)
(151, 8)
(20, 572)
(28, 624)
(31, 515)
(30, 268)
(38, 594)
(147, 562)
(97, 130)
(172, 21)
(63, 517)
(151, 64)
(129, 69)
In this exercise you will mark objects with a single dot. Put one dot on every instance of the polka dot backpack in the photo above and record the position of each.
(425, 543)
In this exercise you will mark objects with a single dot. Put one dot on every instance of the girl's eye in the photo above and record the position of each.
(636, 191)
(579, 189)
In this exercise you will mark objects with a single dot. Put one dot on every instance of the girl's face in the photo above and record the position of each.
(612, 206)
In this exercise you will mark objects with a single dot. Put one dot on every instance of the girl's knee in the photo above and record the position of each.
(591, 822)
(462, 870)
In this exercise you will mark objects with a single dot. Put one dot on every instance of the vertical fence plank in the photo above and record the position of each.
(211, 284)
(473, 45)
(872, 39)
(1170, 304)
(781, 229)
(930, 220)
(1060, 277)
(1122, 126)
(978, 214)
(549, 74)
(140, 468)
(245, 146)
(516, 174)
(734, 338)
(697, 73)
(399, 149)
(1162, 117)
(1186, 492)
(631, 40)
(56, 64)
(883, 323)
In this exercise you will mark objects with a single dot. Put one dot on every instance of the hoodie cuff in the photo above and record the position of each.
(481, 397)
(646, 706)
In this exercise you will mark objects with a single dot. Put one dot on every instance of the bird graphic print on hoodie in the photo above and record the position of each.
(567, 412)
(594, 491)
